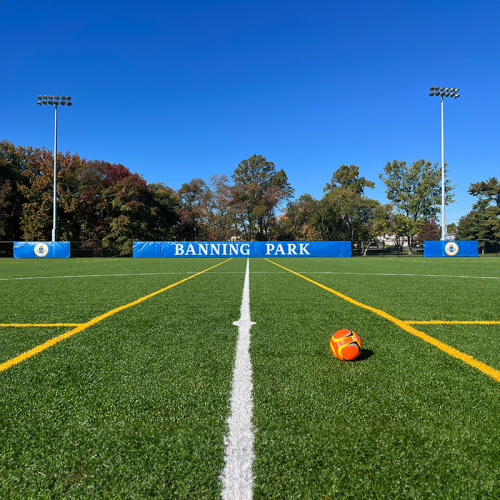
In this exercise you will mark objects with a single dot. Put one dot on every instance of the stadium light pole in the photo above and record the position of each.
(54, 101)
(443, 92)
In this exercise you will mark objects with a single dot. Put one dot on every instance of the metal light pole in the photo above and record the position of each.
(54, 101)
(443, 92)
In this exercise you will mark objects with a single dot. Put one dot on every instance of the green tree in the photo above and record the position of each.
(345, 212)
(348, 177)
(384, 220)
(259, 190)
(403, 226)
(193, 211)
(357, 214)
(379, 222)
(452, 228)
(298, 220)
(165, 207)
(415, 191)
(483, 222)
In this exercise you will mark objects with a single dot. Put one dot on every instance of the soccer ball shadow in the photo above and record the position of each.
(365, 354)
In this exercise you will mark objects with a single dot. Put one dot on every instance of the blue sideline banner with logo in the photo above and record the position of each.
(41, 249)
(169, 249)
(451, 249)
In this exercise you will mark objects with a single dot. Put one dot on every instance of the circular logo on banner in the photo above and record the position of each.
(451, 248)
(41, 249)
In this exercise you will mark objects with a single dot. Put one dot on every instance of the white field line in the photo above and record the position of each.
(370, 274)
(415, 275)
(94, 276)
(237, 476)
(255, 272)
(383, 274)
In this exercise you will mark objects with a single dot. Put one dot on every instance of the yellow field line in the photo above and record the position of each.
(438, 322)
(488, 370)
(83, 326)
(48, 325)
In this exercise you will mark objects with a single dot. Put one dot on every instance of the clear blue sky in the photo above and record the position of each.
(175, 90)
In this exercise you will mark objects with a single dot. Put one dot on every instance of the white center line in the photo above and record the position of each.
(237, 476)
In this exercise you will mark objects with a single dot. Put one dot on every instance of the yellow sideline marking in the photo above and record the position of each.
(48, 325)
(83, 326)
(438, 322)
(488, 370)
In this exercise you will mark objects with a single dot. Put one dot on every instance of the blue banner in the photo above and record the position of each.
(451, 249)
(41, 249)
(162, 249)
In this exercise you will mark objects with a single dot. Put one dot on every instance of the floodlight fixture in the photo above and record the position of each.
(443, 92)
(54, 101)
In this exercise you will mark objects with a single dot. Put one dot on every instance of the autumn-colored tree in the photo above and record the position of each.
(84, 201)
(73, 215)
(99, 203)
(428, 230)
(37, 189)
(11, 200)
(126, 204)
(220, 211)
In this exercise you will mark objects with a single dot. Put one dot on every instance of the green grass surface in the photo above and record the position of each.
(136, 405)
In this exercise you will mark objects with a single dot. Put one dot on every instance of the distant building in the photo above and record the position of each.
(391, 240)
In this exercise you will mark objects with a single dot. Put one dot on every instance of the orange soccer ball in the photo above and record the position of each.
(345, 345)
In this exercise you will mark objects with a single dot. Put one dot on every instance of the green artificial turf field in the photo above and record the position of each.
(134, 403)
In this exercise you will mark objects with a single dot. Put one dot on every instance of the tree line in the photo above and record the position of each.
(100, 203)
